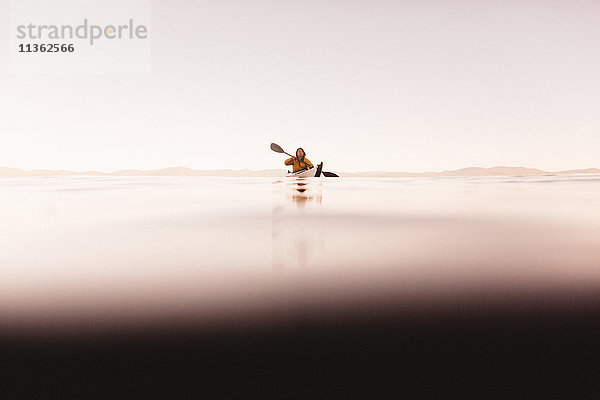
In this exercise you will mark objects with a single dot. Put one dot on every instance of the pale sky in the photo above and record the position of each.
(360, 84)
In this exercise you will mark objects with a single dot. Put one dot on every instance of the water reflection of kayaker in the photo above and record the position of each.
(300, 162)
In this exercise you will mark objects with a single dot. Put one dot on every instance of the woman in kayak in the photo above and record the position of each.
(299, 162)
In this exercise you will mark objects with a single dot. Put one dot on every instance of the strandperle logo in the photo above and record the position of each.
(128, 31)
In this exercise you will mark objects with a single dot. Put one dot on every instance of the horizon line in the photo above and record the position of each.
(275, 172)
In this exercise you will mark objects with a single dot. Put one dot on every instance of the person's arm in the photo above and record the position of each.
(308, 163)
(289, 161)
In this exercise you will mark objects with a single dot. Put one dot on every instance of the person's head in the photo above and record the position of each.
(300, 152)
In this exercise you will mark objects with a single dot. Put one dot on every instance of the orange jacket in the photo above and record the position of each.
(299, 165)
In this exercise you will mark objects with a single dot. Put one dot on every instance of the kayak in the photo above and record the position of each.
(307, 173)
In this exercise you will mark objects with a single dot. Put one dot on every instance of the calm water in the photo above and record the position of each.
(147, 246)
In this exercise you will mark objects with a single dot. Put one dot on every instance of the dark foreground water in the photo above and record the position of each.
(323, 288)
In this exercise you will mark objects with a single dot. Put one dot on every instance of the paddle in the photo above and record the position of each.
(277, 149)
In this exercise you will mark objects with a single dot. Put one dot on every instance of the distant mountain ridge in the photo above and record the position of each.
(473, 171)
(183, 171)
(171, 171)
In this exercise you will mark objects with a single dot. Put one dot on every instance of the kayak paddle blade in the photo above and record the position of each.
(330, 174)
(276, 148)
(319, 169)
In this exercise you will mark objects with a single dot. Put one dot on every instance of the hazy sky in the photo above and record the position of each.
(360, 84)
